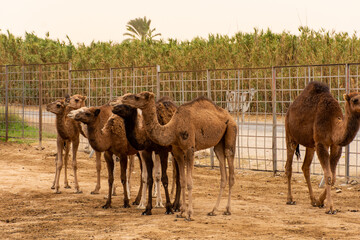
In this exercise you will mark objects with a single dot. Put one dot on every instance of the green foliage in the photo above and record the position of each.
(139, 29)
(257, 49)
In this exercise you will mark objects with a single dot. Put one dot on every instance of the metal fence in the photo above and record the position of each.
(258, 99)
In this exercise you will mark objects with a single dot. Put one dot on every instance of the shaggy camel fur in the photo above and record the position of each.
(315, 120)
(196, 125)
(140, 140)
(111, 139)
(68, 132)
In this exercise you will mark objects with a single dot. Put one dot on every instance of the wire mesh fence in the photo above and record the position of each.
(257, 98)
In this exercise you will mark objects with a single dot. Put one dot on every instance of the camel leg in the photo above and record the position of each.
(53, 185)
(116, 159)
(288, 170)
(306, 170)
(144, 176)
(110, 166)
(230, 155)
(138, 197)
(335, 154)
(66, 160)
(189, 181)
(149, 168)
(322, 152)
(165, 181)
(59, 163)
(173, 176)
(75, 146)
(179, 158)
(128, 176)
(98, 171)
(123, 164)
(176, 204)
(219, 151)
(157, 174)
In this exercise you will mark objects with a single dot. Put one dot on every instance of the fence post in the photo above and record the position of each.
(69, 76)
(158, 81)
(6, 103)
(347, 148)
(23, 100)
(209, 96)
(111, 84)
(40, 107)
(274, 145)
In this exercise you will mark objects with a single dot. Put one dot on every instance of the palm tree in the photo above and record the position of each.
(139, 28)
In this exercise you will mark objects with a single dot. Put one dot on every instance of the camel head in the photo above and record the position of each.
(352, 102)
(123, 110)
(85, 115)
(139, 100)
(57, 107)
(76, 101)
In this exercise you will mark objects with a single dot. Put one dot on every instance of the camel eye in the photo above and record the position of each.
(136, 98)
(87, 114)
(355, 100)
(58, 105)
(76, 100)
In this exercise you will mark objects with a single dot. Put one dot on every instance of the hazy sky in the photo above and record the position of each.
(105, 20)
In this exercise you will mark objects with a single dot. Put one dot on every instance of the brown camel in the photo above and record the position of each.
(140, 140)
(68, 132)
(111, 139)
(315, 120)
(196, 125)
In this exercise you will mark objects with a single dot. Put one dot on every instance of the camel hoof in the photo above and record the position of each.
(57, 192)
(179, 216)
(52, 187)
(189, 219)
(94, 192)
(227, 213)
(211, 214)
(159, 205)
(169, 212)
(126, 205)
(291, 202)
(321, 205)
(106, 206)
(146, 213)
(78, 192)
(136, 202)
(67, 186)
(331, 212)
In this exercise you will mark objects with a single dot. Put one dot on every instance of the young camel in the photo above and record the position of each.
(68, 132)
(140, 140)
(111, 139)
(315, 120)
(196, 125)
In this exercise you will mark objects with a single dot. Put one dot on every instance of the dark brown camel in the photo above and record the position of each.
(68, 133)
(196, 125)
(140, 140)
(111, 139)
(315, 120)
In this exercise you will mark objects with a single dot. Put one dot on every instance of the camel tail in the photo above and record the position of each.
(297, 152)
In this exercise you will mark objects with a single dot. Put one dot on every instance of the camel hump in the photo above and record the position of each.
(317, 87)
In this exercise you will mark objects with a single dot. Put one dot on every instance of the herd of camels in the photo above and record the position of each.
(137, 124)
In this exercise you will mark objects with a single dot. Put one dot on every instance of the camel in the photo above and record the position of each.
(139, 139)
(315, 120)
(196, 125)
(68, 132)
(110, 139)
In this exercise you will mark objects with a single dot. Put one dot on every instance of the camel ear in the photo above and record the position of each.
(97, 112)
(67, 98)
(84, 98)
(147, 95)
(346, 97)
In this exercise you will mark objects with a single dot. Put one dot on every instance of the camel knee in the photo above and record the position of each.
(189, 186)
(229, 152)
(231, 181)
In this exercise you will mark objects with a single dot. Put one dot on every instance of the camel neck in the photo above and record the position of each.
(61, 125)
(133, 131)
(160, 134)
(350, 128)
(98, 139)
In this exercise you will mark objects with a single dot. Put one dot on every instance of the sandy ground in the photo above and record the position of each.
(29, 209)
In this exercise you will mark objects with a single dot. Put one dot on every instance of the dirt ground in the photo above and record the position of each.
(29, 209)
